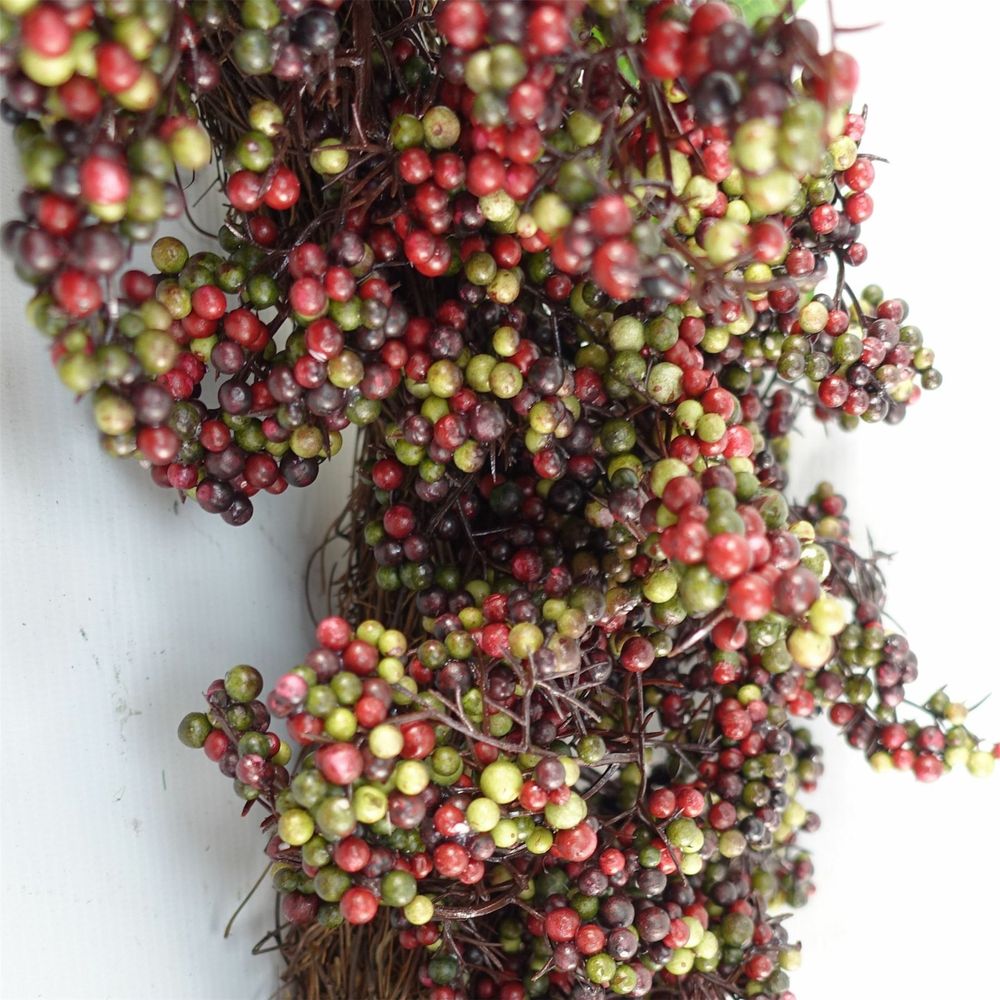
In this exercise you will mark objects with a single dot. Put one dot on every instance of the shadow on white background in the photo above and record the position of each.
(123, 855)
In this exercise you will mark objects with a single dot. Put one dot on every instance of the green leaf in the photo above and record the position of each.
(752, 10)
(625, 66)
(627, 70)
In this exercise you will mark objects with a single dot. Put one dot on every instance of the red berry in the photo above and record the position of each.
(526, 565)
(590, 939)
(735, 723)
(523, 144)
(216, 744)
(738, 442)
(361, 658)
(388, 474)
(768, 240)
(679, 934)
(759, 967)
(448, 818)
(358, 905)
(307, 259)
(687, 541)
(612, 861)
(214, 436)
(244, 191)
(283, 191)
(307, 297)
(859, 207)
(334, 632)
(399, 521)
(610, 216)
(116, 69)
(450, 859)
(305, 728)
(352, 854)
(616, 268)
(419, 247)
(637, 654)
(264, 230)
(709, 16)
(860, 174)
(824, 218)
(137, 286)
(837, 78)
(370, 711)
(722, 815)
(462, 23)
(893, 736)
(45, 30)
(749, 597)
(300, 908)
(340, 763)
(833, 391)
(486, 174)
(680, 492)
(209, 302)
(415, 165)
(494, 640)
(58, 215)
(418, 740)
(80, 97)
(562, 924)
(575, 844)
(799, 262)
(261, 471)
(727, 555)
(525, 103)
(664, 50)
(77, 293)
(662, 803)
(104, 181)
(690, 801)
(324, 339)
(449, 171)
(182, 477)
(533, 797)
(547, 30)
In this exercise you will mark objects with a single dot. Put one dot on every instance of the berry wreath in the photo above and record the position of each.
(567, 275)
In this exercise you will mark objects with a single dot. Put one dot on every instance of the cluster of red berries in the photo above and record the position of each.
(574, 268)
(684, 182)
(608, 789)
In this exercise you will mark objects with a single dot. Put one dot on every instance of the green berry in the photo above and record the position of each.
(194, 729)
(399, 888)
(501, 781)
(243, 683)
(440, 128)
(385, 741)
(296, 827)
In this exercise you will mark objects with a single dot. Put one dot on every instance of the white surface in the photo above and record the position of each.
(897, 863)
(122, 854)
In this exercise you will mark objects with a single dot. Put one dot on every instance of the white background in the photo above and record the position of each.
(122, 852)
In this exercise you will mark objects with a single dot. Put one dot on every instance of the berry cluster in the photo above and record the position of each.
(574, 268)
(613, 800)
(638, 200)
